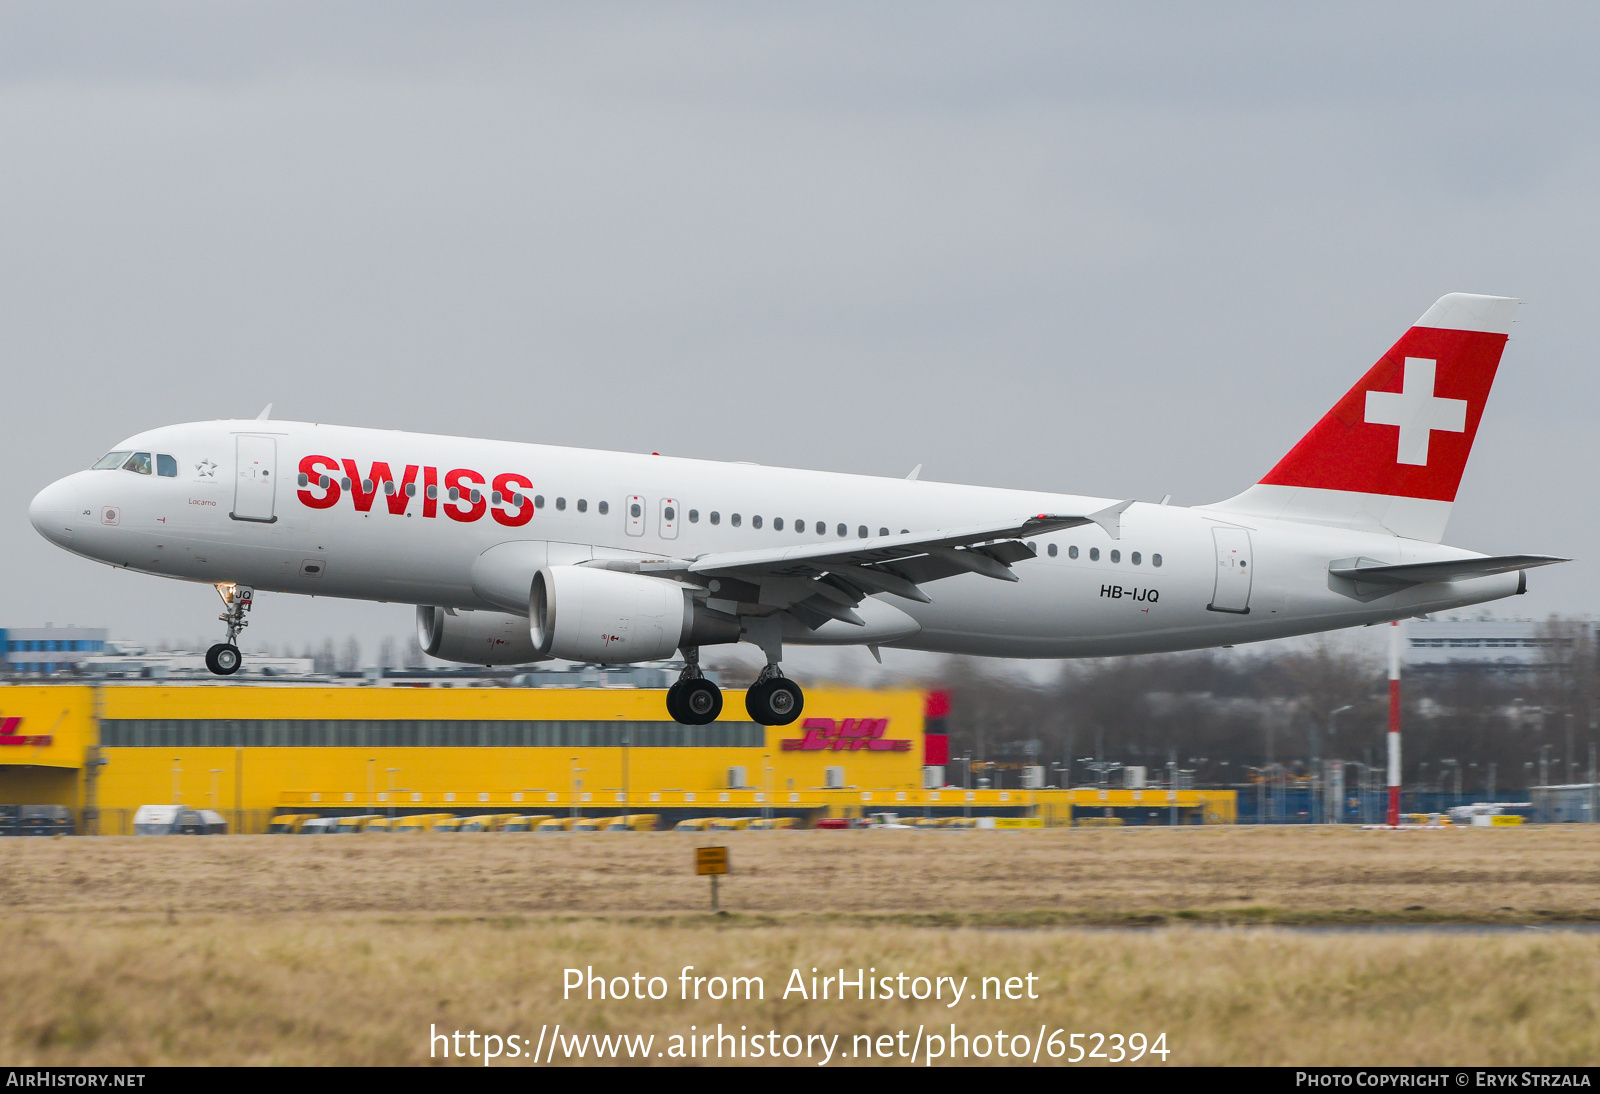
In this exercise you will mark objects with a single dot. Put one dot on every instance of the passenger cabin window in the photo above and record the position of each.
(842, 530)
(538, 499)
(1116, 556)
(716, 517)
(1072, 552)
(799, 526)
(861, 533)
(605, 507)
(734, 520)
(166, 466)
(883, 531)
(110, 461)
(561, 504)
(777, 524)
(583, 505)
(694, 516)
(1051, 550)
(755, 521)
(138, 462)
(1094, 554)
(1134, 558)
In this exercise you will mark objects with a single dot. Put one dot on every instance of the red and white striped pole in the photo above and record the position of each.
(1394, 724)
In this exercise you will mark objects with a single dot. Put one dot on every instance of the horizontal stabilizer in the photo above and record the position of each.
(1418, 573)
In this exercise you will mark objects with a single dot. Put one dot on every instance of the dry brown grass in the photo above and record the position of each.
(348, 990)
(1292, 874)
(271, 949)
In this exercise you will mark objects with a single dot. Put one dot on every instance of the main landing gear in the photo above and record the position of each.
(774, 699)
(694, 700)
(224, 659)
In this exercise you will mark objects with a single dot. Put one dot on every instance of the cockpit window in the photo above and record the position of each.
(110, 461)
(166, 466)
(140, 462)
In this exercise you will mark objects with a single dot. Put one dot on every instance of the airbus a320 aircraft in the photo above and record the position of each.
(522, 552)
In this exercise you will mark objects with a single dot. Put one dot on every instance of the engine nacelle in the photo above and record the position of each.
(475, 638)
(585, 613)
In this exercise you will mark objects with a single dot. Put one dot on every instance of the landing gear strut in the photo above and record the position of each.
(694, 700)
(224, 658)
(774, 699)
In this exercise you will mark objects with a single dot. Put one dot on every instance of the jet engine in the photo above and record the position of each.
(475, 638)
(585, 613)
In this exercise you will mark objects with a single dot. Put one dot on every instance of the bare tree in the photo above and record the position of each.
(350, 657)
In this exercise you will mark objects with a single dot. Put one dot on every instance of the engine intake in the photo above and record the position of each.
(475, 638)
(584, 613)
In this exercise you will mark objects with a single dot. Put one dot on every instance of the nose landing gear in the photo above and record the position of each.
(694, 700)
(224, 658)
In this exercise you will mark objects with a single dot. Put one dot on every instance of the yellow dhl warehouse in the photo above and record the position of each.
(249, 751)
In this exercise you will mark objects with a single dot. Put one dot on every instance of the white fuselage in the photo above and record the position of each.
(1093, 596)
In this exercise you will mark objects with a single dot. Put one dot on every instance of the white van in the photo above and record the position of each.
(155, 820)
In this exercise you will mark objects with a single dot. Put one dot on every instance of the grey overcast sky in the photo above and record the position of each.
(1120, 249)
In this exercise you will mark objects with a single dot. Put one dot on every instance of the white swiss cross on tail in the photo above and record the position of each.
(1416, 410)
(1432, 386)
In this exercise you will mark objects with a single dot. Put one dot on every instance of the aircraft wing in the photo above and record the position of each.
(1455, 569)
(821, 581)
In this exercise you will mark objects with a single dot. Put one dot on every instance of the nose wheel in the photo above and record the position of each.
(694, 700)
(224, 658)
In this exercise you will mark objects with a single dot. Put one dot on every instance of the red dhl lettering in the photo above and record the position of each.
(845, 735)
(10, 736)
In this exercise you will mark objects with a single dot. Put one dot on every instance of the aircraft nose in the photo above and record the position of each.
(52, 511)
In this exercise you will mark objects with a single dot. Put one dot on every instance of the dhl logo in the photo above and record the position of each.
(466, 494)
(845, 735)
(10, 736)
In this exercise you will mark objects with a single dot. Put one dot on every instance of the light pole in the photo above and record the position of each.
(392, 771)
(1261, 793)
(625, 770)
(1316, 756)
(577, 785)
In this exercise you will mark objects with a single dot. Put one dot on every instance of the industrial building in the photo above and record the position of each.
(249, 751)
(1501, 645)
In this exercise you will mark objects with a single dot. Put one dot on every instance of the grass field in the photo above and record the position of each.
(276, 949)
